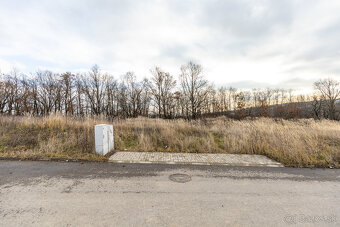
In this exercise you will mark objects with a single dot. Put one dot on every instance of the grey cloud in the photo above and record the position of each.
(92, 19)
(215, 31)
(246, 19)
(174, 51)
(294, 83)
(248, 84)
(237, 26)
(327, 45)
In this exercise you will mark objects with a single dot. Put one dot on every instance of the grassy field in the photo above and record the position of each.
(303, 143)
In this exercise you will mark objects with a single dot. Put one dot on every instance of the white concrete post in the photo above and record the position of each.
(104, 142)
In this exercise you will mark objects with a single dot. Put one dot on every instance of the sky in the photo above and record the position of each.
(241, 43)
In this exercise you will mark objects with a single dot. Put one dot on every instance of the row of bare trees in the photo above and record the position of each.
(191, 96)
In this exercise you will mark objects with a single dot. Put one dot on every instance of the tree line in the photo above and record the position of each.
(189, 96)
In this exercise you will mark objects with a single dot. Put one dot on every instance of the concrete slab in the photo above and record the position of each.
(194, 159)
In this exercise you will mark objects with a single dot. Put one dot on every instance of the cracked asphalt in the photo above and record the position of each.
(113, 194)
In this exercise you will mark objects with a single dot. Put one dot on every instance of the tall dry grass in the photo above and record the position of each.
(48, 137)
(293, 143)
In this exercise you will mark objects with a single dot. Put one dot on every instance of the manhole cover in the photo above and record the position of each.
(180, 178)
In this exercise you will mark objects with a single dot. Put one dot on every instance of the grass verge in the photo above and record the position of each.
(300, 143)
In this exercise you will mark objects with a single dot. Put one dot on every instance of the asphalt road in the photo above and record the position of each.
(109, 194)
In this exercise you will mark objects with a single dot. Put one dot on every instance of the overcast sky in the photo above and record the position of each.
(243, 43)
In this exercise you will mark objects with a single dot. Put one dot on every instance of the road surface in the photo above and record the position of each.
(111, 194)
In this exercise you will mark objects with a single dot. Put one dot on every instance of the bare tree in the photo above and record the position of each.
(161, 87)
(97, 93)
(241, 102)
(262, 98)
(130, 96)
(194, 87)
(223, 99)
(94, 89)
(4, 94)
(79, 95)
(329, 90)
(317, 107)
(67, 86)
(47, 92)
(15, 93)
(145, 97)
(111, 94)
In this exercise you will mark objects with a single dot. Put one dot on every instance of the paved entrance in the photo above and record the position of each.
(195, 159)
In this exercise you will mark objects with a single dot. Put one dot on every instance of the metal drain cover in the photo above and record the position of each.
(180, 178)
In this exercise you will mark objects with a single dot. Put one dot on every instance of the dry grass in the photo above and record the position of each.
(294, 143)
(303, 143)
(51, 137)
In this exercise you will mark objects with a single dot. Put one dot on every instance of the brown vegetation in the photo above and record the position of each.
(50, 137)
(303, 143)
